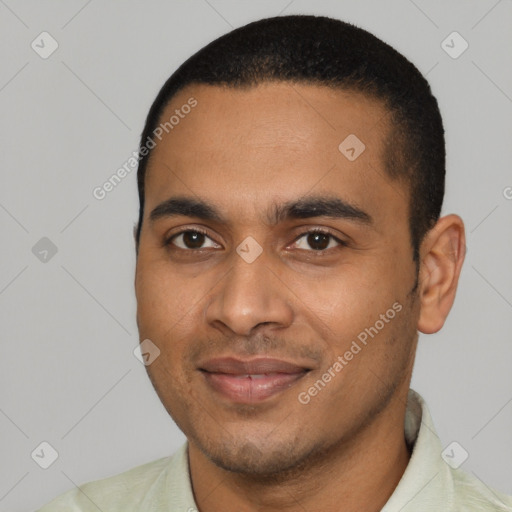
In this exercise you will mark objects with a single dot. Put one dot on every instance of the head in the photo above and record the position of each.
(280, 127)
(335, 54)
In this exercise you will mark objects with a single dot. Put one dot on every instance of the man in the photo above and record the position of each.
(289, 250)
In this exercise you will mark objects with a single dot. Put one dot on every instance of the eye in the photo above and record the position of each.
(191, 239)
(315, 240)
(318, 240)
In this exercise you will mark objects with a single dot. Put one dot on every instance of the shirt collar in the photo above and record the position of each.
(427, 482)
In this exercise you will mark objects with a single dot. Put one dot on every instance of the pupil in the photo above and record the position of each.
(193, 240)
(318, 241)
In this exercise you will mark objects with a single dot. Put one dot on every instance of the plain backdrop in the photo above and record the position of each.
(68, 374)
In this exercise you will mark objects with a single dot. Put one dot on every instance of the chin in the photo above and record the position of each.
(258, 459)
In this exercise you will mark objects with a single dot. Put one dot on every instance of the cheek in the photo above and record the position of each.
(349, 296)
(349, 306)
(163, 306)
(163, 299)
(168, 313)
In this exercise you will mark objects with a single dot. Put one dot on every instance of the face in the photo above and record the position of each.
(275, 273)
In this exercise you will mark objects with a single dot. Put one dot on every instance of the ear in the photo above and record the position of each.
(135, 227)
(442, 254)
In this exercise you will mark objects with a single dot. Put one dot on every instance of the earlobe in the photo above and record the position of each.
(442, 255)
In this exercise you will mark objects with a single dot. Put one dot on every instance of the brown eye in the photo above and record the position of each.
(318, 241)
(191, 239)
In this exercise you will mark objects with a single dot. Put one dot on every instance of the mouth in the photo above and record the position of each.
(251, 381)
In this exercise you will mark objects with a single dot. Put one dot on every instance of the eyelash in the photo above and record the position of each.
(168, 241)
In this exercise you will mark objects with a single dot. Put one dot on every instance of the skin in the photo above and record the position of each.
(243, 151)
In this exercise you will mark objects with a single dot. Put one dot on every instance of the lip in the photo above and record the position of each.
(251, 381)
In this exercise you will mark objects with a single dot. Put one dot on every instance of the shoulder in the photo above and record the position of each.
(472, 495)
(122, 492)
(449, 488)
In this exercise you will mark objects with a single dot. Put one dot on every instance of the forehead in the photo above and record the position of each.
(273, 114)
(239, 146)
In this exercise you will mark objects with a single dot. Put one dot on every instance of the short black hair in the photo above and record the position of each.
(319, 50)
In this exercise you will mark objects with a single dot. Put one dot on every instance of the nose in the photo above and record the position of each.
(250, 294)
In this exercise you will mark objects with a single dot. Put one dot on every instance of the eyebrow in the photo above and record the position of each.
(312, 206)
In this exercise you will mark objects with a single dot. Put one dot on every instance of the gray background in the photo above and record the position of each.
(68, 375)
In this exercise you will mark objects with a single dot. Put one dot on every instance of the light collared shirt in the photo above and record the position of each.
(429, 483)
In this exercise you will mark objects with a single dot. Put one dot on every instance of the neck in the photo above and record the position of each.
(359, 473)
